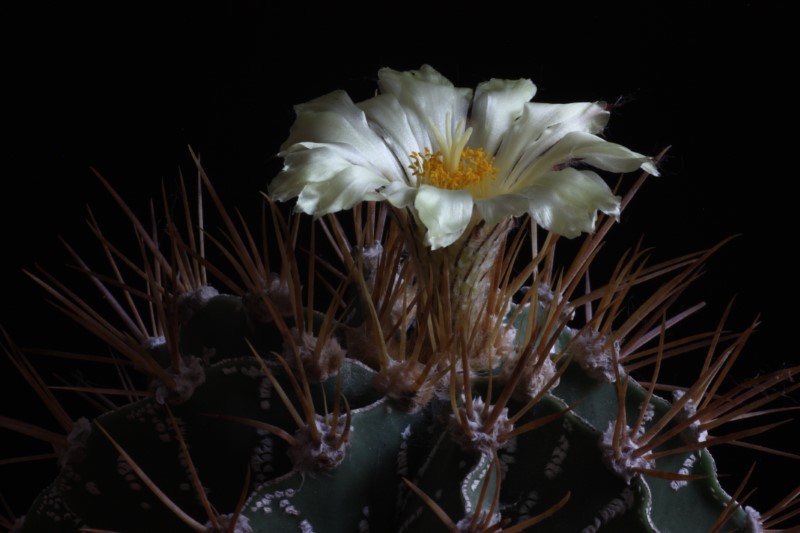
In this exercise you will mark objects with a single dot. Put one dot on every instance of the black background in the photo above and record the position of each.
(127, 89)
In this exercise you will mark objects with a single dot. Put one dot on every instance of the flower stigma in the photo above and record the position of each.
(453, 166)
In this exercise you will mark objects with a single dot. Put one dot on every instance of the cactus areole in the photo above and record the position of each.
(439, 368)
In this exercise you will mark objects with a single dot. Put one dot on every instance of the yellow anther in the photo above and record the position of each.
(474, 166)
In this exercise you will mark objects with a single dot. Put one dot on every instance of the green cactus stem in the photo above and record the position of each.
(391, 387)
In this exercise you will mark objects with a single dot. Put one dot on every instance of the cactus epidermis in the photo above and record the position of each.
(379, 411)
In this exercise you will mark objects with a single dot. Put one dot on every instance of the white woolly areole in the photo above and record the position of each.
(506, 343)
(534, 380)
(486, 349)
(320, 366)
(191, 302)
(691, 434)
(547, 297)
(399, 311)
(400, 383)
(189, 376)
(151, 343)
(588, 349)
(242, 524)
(753, 522)
(308, 456)
(477, 439)
(276, 290)
(624, 463)
(371, 256)
(76, 443)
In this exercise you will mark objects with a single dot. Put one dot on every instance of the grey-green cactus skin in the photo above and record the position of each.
(366, 491)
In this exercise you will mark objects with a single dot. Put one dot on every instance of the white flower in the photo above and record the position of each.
(451, 155)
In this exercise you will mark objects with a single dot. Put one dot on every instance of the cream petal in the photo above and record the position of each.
(399, 194)
(609, 156)
(591, 149)
(340, 153)
(342, 190)
(497, 105)
(402, 131)
(334, 119)
(567, 201)
(501, 207)
(427, 94)
(445, 213)
(302, 167)
(538, 129)
(308, 163)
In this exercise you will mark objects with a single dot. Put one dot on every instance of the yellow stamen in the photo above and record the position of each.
(471, 167)
(452, 166)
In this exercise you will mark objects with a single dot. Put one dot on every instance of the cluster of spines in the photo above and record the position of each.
(406, 330)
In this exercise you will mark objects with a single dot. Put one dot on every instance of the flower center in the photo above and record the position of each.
(472, 167)
(452, 166)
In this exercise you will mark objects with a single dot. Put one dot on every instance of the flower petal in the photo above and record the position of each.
(302, 167)
(342, 190)
(399, 194)
(567, 201)
(609, 156)
(445, 213)
(400, 129)
(502, 206)
(497, 105)
(340, 153)
(317, 175)
(427, 94)
(335, 119)
(538, 129)
(332, 158)
(591, 149)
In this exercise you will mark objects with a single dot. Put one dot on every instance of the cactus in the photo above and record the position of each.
(366, 373)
